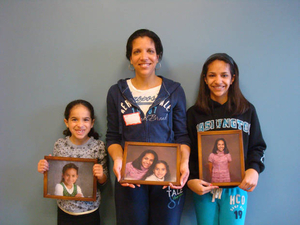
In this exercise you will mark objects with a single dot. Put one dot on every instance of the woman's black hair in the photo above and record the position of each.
(89, 106)
(215, 149)
(237, 103)
(137, 163)
(145, 33)
(69, 166)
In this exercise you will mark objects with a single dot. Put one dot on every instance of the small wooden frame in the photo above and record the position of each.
(137, 154)
(212, 166)
(86, 181)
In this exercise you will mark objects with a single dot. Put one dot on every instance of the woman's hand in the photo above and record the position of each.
(98, 172)
(200, 187)
(184, 167)
(117, 168)
(42, 166)
(250, 180)
(184, 175)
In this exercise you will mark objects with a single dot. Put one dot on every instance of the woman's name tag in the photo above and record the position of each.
(132, 119)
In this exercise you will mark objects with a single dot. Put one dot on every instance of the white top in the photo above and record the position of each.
(59, 189)
(144, 98)
(154, 178)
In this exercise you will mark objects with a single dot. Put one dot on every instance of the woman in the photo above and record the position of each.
(138, 168)
(146, 108)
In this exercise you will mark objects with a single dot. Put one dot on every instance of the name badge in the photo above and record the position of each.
(132, 119)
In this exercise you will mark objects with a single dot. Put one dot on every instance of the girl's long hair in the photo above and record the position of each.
(215, 149)
(237, 103)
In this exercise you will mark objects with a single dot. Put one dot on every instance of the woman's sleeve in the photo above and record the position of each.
(113, 135)
(179, 118)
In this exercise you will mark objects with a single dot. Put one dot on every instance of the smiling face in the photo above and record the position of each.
(147, 160)
(221, 145)
(144, 57)
(79, 124)
(69, 177)
(160, 170)
(218, 80)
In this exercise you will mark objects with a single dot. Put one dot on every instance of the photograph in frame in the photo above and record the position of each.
(151, 163)
(221, 157)
(70, 179)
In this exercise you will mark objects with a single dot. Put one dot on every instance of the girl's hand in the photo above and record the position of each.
(42, 166)
(200, 187)
(79, 195)
(98, 172)
(250, 180)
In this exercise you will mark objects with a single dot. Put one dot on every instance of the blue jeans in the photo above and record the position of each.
(148, 205)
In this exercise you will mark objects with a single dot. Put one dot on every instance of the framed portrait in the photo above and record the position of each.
(151, 163)
(221, 157)
(70, 179)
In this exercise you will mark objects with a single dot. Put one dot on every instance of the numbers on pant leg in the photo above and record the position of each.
(238, 214)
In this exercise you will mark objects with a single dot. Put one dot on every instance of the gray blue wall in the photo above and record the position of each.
(52, 52)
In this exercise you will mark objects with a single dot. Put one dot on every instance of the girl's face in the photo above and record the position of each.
(70, 176)
(160, 170)
(143, 56)
(79, 123)
(218, 80)
(221, 145)
(147, 160)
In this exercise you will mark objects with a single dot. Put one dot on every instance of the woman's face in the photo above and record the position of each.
(160, 170)
(70, 176)
(143, 56)
(147, 160)
(218, 80)
(220, 145)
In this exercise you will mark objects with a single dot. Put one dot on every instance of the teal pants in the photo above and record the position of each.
(230, 209)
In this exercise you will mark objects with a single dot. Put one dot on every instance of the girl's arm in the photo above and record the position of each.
(100, 169)
(255, 155)
(250, 180)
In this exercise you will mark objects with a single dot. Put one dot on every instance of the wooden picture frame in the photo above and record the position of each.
(212, 166)
(86, 181)
(137, 154)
